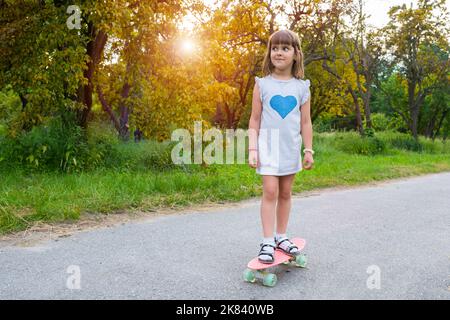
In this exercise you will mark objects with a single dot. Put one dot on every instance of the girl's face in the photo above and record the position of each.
(282, 56)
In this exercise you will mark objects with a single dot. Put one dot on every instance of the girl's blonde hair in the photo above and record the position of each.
(287, 37)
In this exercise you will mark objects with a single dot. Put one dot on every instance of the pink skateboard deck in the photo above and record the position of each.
(279, 256)
(258, 270)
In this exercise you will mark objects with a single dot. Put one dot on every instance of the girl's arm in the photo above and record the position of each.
(306, 124)
(255, 119)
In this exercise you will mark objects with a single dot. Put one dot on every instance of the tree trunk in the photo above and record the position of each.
(94, 50)
(124, 112)
(414, 104)
(359, 125)
(367, 111)
(366, 95)
(441, 121)
(430, 126)
(108, 109)
(24, 102)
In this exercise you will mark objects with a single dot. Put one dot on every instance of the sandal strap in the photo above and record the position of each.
(263, 252)
(290, 246)
(267, 245)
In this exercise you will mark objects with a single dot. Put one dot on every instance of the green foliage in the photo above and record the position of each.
(63, 146)
(145, 155)
(330, 123)
(106, 150)
(402, 141)
(323, 124)
(40, 58)
(382, 122)
(406, 143)
(353, 143)
(60, 145)
(9, 110)
(369, 132)
(428, 146)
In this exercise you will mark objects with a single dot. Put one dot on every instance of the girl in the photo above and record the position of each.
(279, 121)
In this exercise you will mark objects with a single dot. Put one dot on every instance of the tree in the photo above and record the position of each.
(135, 41)
(358, 50)
(411, 35)
(40, 59)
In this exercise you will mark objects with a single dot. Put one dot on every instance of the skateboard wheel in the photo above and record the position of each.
(270, 280)
(301, 261)
(249, 276)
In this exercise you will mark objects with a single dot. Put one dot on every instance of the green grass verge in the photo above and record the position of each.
(26, 198)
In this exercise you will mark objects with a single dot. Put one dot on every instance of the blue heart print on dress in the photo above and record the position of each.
(283, 105)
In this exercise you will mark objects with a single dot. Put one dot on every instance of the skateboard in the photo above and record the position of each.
(256, 269)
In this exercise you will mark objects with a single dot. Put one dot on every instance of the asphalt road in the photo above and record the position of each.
(384, 241)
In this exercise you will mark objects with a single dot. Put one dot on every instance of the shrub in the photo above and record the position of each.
(148, 154)
(323, 124)
(404, 141)
(369, 132)
(353, 143)
(380, 121)
(58, 144)
(430, 146)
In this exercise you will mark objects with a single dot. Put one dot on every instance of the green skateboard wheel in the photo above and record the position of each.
(301, 261)
(249, 276)
(270, 280)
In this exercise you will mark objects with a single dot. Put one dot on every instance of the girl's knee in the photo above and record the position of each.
(284, 195)
(270, 194)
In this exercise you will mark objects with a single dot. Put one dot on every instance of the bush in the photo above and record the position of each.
(383, 122)
(406, 143)
(402, 141)
(353, 143)
(8, 150)
(323, 124)
(10, 108)
(429, 146)
(101, 140)
(145, 155)
(68, 148)
(369, 132)
(380, 121)
(58, 144)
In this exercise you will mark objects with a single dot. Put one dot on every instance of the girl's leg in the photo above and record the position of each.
(268, 204)
(284, 202)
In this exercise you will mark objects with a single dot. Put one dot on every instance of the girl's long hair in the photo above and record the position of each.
(287, 37)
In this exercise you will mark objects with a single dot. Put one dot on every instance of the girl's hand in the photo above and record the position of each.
(308, 161)
(253, 158)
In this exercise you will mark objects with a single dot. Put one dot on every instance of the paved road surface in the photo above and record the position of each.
(384, 241)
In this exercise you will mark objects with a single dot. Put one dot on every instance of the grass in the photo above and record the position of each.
(26, 198)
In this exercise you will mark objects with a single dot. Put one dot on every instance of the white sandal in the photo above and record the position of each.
(288, 249)
(263, 252)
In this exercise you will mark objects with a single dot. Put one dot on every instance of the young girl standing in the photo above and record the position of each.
(279, 122)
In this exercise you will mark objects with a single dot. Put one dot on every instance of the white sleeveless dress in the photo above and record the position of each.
(279, 139)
